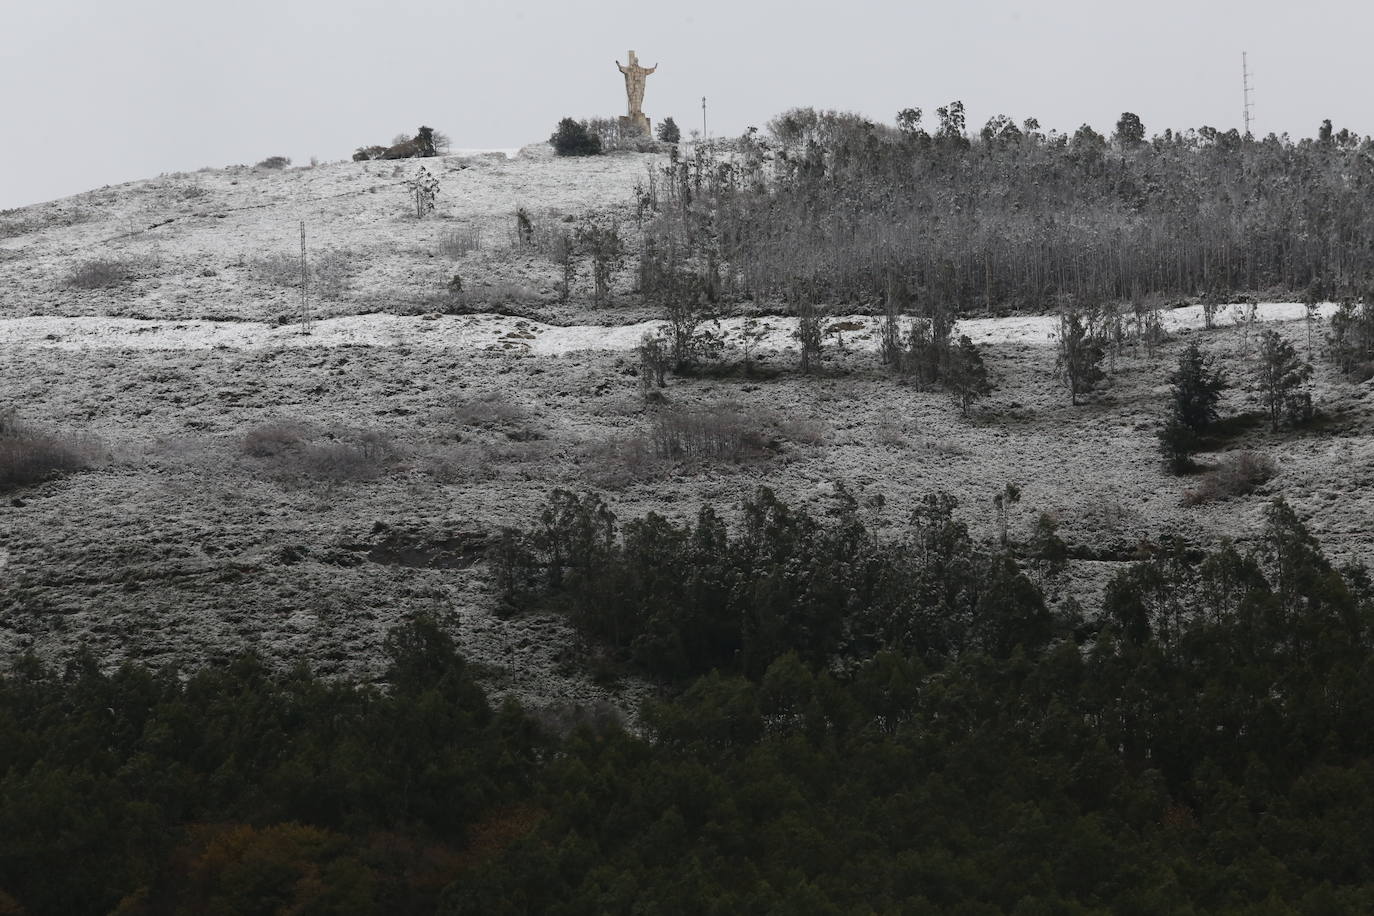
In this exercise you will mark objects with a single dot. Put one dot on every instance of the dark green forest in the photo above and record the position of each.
(852, 722)
(834, 207)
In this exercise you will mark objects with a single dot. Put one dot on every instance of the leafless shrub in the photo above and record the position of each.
(358, 458)
(101, 273)
(802, 431)
(29, 455)
(715, 433)
(654, 361)
(892, 435)
(467, 462)
(274, 439)
(462, 462)
(458, 242)
(943, 448)
(1104, 511)
(1236, 474)
(616, 135)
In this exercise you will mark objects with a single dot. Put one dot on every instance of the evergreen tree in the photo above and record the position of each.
(1197, 388)
(574, 139)
(1350, 342)
(1280, 376)
(1177, 442)
(1130, 132)
(668, 131)
(1080, 355)
(968, 377)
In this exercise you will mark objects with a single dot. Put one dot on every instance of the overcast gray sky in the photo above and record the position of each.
(97, 92)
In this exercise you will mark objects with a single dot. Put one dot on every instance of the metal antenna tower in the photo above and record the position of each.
(1245, 86)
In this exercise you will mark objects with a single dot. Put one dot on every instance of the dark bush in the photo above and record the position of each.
(275, 162)
(29, 456)
(574, 139)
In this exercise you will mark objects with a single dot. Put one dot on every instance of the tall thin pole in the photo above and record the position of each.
(704, 135)
(305, 298)
(1245, 88)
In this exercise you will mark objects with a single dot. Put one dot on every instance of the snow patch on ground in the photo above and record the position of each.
(503, 333)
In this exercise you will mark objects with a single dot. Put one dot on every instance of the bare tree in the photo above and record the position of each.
(808, 332)
(606, 249)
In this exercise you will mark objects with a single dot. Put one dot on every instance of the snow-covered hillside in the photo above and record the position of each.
(186, 541)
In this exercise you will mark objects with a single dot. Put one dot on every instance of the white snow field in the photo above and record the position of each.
(498, 332)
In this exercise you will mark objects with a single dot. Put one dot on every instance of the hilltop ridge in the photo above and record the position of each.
(219, 242)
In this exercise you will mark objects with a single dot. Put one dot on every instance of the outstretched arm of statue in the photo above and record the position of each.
(620, 68)
(651, 69)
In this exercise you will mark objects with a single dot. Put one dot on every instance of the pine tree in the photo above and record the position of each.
(668, 131)
(968, 377)
(1178, 442)
(1197, 388)
(1280, 375)
(1080, 355)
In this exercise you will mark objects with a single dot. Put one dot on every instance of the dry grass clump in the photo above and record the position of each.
(458, 242)
(1236, 474)
(501, 297)
(503, 292)
(277, 269)
(466, 462)
(330, 272)
(292, 450)
(494, 412)
(101, 273)
(29, 456)
(618, 463)
(692, 437)
(895, 435)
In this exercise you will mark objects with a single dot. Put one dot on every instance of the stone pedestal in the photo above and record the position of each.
(637, 122)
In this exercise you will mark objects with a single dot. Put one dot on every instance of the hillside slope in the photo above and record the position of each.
(297, 493)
